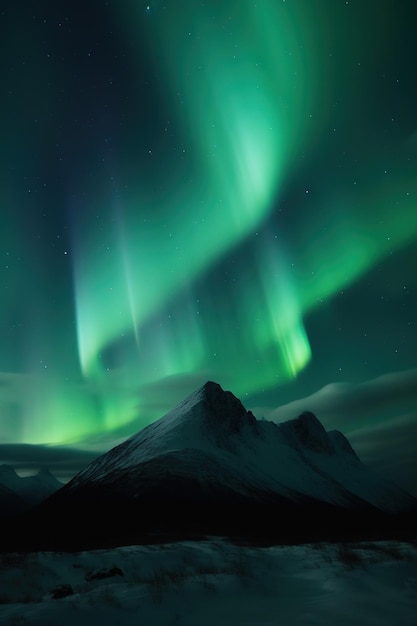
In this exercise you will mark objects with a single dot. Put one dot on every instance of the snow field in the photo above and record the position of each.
(215, 582)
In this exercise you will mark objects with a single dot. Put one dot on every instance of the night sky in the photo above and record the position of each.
(196, 190)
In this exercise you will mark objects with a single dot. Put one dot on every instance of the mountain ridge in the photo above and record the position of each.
(215, 422)
(29, 490)
(210, 467)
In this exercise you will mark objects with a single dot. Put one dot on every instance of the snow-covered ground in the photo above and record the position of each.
(214, 582)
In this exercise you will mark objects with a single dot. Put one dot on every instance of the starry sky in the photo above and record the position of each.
(196, 190)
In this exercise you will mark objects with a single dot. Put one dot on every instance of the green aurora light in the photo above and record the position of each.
(242, 93)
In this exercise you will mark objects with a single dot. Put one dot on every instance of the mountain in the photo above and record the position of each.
(209, 466)
(30, 490)
(298, 459)
(10, 503)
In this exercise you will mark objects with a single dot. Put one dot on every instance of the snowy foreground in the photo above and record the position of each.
(213, 582)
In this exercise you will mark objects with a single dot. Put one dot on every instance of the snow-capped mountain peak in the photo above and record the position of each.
(309, 432)
(223, 412)
(216, 411)
(341, 443)
(209, 419)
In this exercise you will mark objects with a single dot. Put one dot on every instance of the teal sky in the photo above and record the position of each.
(201, 190)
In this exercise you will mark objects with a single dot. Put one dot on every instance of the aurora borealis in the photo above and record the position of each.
(198, 190)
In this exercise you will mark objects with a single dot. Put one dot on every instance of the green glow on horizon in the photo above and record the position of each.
(45, 399)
